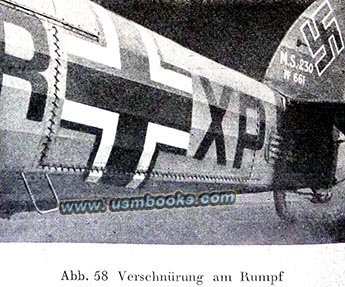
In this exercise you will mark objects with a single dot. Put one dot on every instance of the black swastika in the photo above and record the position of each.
(323, 37)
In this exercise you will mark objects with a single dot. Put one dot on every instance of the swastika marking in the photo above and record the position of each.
(323, 36)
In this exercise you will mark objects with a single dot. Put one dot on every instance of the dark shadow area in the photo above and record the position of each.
(242, 35)
(308, 146)
(336, 230)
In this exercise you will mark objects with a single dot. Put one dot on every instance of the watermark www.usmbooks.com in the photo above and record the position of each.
(147, 202)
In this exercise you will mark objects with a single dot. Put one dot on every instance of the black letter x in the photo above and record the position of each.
(215, 130)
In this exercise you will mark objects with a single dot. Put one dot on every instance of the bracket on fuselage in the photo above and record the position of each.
(33, 199)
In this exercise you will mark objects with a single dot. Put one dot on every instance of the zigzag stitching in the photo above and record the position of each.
(55, 103)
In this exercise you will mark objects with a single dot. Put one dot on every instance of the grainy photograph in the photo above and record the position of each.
(172, 122)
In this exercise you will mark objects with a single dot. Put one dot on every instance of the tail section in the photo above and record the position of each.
(309, 63)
